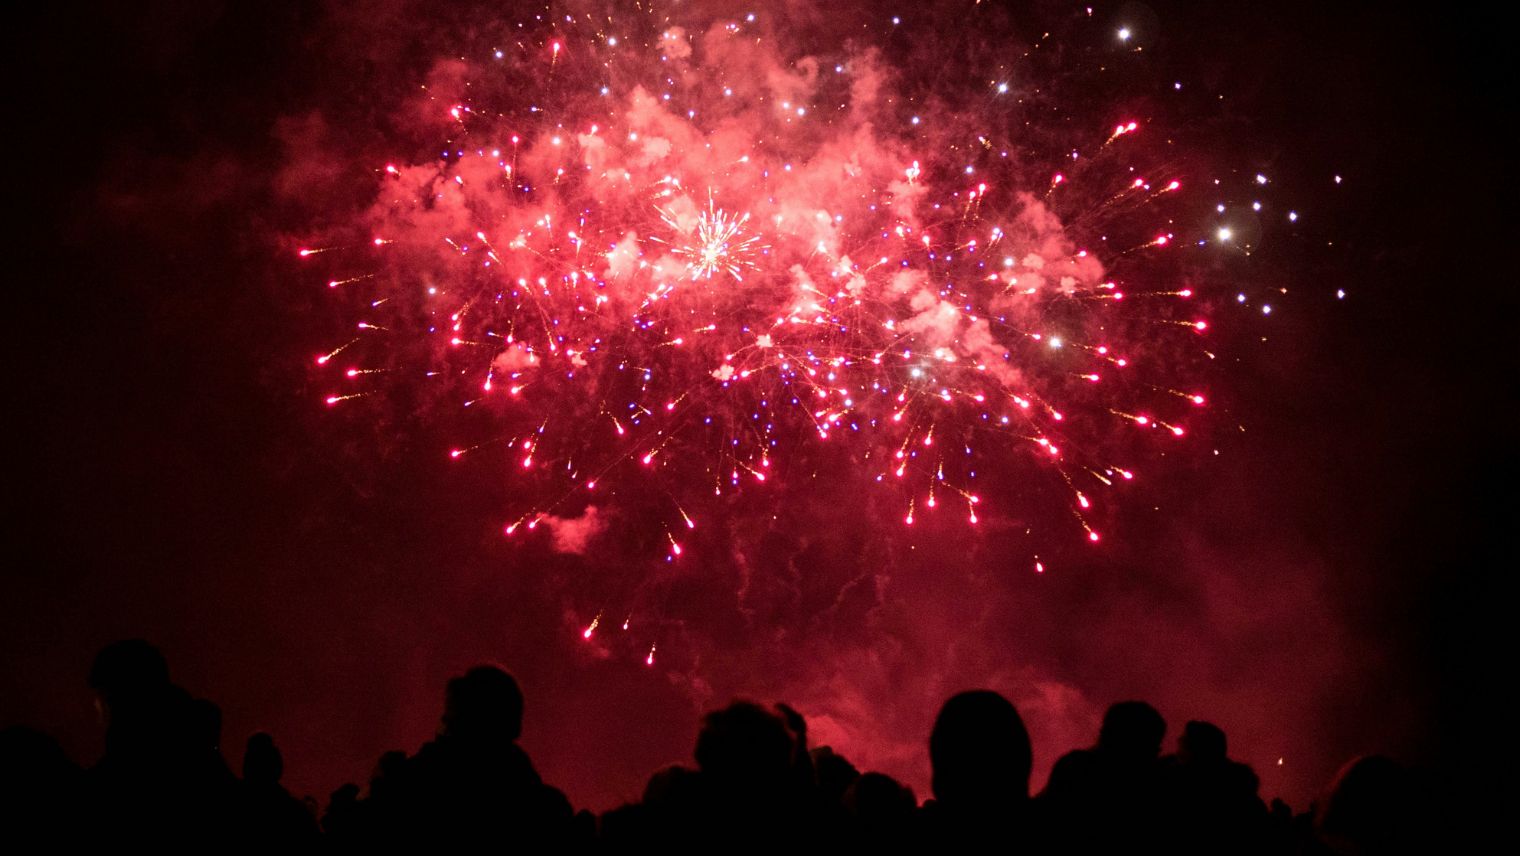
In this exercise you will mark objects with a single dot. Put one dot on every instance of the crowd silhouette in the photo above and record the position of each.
(756, 784)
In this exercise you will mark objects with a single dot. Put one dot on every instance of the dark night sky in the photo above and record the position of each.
(1326, 592)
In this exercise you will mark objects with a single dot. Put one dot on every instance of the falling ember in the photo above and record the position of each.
(1121, 130)
(322, 360)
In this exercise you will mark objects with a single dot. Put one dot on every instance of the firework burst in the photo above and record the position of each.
(718, 244)
(965, 291)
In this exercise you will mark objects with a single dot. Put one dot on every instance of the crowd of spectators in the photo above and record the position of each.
(756, 783)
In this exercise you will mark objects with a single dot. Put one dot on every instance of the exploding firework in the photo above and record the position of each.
(663, 260)
(720, 245)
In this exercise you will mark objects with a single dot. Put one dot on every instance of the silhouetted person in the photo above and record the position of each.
(1209, 802)
(161, 778)
(879, 812)
(472, 782)
(215, 803)
(342, 819)
(833, 776)
(662, 816)
(1283, 829)
(142, 712)
(205, 722)
(274, 817)
(746, 791)
(389, 770)
(744, 749)
(37, 785)
(1107, 796)
(981, 758)
(1371, 809)
(746, 756)
(163, 781)
(804, 777)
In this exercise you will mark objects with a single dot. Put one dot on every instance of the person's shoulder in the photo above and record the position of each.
(517, 763)
(553, 801)
(1075, 766)
(1076, 758)
(1242, 776)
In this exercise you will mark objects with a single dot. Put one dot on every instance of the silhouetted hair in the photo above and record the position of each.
(483, 701)
(979, 749)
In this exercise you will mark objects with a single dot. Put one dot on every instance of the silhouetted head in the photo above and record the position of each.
(345, 794)
(388, 770)
(483, 702)
(126, 669)
(673, 785)
(744, 745)
(1371, 802)
(262, 762)
(1132, 730)
(31, 763)
(980, 750)
(1202, 742)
